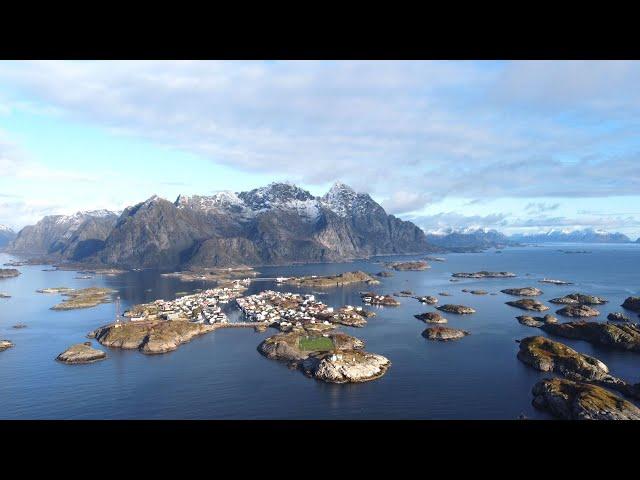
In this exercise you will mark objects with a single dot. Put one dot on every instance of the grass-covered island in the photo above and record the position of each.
(333, 280)
(331, 357)
(415, 266)
(83, 298)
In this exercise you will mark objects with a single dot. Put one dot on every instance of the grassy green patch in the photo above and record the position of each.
(315, 344)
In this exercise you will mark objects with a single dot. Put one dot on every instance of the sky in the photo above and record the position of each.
(522, 146)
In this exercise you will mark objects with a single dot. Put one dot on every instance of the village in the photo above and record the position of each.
(286, 310)
(200, 307)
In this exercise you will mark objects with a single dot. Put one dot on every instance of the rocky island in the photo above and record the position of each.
(84, 298)
(431, 317)
(578, 299)
(578, 311)
(570, 400)
(444, 334)
(632, 303)
(528, 304)
(458, 309)
(332, 357)
(429, 300)
(554, 282)
(333, 280)
(483, 274)
(523, 292)
(9, 272)
(4, 295)
(150, 336)
(618, 317)
(405, 266)
(81, 353)
(5, 344)
(371, 298)
(622, 336)
(530, 321)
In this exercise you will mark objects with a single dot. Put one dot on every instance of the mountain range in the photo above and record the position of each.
(470, 239)
(587, 235)
(277, 224)
(6, 235)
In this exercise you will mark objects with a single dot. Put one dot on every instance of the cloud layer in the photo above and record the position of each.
(411, 133)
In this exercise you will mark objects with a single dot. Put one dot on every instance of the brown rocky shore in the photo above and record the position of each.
(150, 337)
(458, 309)
(620, 336)
(571, 400)
(528, 304)
(81, 353)
(444, 334)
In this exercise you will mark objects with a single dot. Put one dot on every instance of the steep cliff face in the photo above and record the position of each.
(154, 233)
(276, 224)
(72, 237)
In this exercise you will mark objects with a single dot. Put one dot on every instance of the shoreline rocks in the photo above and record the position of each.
(444, 334)
(570, 400)
(530, 321)
(371, 298)
(523, 292)
(458, 309)
(622, 336)
(428, 299)
(618, 317)
(409, 266)
(346, 366)
(483, 274)
(578, 311)
(578, 299)
(528, 304)
(150, 337)
(81, 353)
(632, 303)
(345, 278)
(84, 298)
(431, 317)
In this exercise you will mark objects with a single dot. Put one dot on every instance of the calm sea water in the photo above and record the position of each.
(221, 375)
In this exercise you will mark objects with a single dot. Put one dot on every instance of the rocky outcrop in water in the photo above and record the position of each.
(570, 400)
(622, 336)
(81, 353)
(578, 311)
(5, 344)
(346, 366)
(530, 321)
(150, 337)
(427, 299)
(444, 333)
(579, 299)
(483, 274)
(404, 266)
(528, 304)
(9, 272)
(431, 317)
(458, 309)
(618, 317)
(632, 303)
(523, 292)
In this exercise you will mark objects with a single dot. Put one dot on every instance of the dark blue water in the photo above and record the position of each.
(222, 376)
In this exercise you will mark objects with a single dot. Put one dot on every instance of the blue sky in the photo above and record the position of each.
(517, 146)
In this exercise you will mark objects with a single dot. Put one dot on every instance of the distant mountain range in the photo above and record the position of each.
(587, 235)
(277, 224)
(6, 235)
(469, 239)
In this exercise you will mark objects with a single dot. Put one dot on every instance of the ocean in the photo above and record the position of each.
(221, 375)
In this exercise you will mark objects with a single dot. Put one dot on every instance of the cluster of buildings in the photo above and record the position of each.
(201, 307)
(285, 310)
